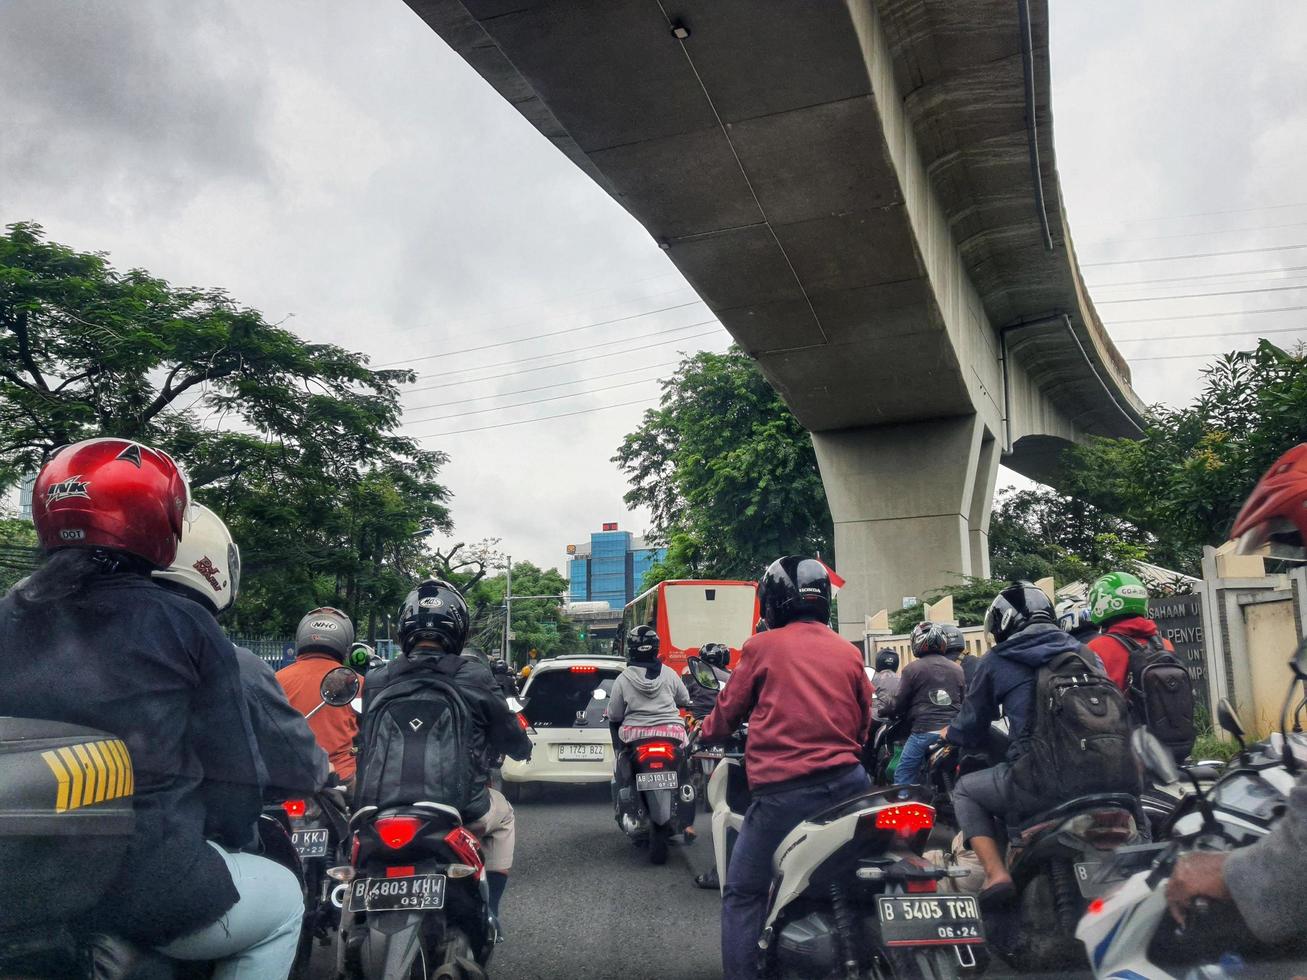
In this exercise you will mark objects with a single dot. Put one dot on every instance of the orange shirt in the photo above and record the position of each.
(334, 728)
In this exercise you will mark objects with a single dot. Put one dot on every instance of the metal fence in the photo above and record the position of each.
(280, 650)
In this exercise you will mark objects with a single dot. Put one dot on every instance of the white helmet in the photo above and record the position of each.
(208, 563)
(1072, 614)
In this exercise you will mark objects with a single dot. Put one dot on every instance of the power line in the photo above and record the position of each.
(1223, 333)
(548, 367)
(1209, 316)
(556, 384)
(1194, 234)
(1205, 276)
(534, 401)
(1227, 292)
(545, 418)
(1208, 214)
(541, 336)
(1195, 255)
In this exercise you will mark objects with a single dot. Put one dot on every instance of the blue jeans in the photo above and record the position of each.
(914, 754)
(748, 879)
(257, 937)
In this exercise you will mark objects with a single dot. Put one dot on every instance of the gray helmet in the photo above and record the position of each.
(325, 630)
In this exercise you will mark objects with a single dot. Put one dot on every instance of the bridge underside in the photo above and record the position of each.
(849, 187)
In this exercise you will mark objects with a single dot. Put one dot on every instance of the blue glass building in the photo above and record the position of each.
(610, 567)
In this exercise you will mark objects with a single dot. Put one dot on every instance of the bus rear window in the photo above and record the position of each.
(568, 698)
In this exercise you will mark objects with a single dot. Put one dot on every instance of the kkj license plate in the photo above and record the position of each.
(942, 920)
(580, 753)
(310, 843)
(656, 780)
(398, 894)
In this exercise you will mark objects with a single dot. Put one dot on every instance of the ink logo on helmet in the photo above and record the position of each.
(210, 571)
(323, 624)
(430, 602)
(74, 486)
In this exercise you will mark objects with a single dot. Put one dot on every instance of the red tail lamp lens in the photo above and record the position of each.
(584, 670)
(465, 846)
(906, 819)
(922, 887)
(397, 832)
(293, 808)
(406, 871)
(655, 750)
(1096, 906)
(521, 720)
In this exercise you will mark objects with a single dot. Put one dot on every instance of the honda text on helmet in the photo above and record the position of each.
(111, 494)
(1020, 605)
(794, 588)
(1276, 511)
(642, 645)
(434, 611)
(208, 562)
(325, 630)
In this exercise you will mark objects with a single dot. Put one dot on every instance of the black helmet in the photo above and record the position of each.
(794, 588)
(715, 654)
(956, 643)
(887, 660)
(497, 666)
(1020, 605)
(928, 638)
(434, 611)
(642, 645)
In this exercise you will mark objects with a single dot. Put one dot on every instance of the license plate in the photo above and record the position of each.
(310, 843)
(943, 920)
(398, 894)
(580, 753)
(1097, 879)
(645, 781)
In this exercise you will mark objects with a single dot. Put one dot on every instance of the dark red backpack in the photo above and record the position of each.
(1160, 692)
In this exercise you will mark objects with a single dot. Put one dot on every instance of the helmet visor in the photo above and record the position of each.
(234, 570)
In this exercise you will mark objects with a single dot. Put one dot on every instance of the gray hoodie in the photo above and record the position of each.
(637, 699)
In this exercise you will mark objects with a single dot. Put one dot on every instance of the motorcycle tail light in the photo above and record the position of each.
(655, 750)
(294, 808)
(905, 819)
(1109, 828)
(1096, 906)
(402, 871)
(465, 847)
(397, 832)
(923, 886)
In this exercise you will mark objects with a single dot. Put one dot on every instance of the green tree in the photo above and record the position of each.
(1185, 480)
(538, 624)
(294, 444)
(727, 470)
(971, 599)
(18, 550)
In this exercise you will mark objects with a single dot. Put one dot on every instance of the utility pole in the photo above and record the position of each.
(508, 606)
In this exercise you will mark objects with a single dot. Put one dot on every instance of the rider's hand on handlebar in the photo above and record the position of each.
(1196, 876)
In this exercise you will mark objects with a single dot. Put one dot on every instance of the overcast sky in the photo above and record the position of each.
(336, 164)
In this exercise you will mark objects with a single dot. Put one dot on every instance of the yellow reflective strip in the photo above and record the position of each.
(75, 771)
(129, 782)
(115, 749)
(61, 774)
(88, 770)
(115, 772)
(101, 767)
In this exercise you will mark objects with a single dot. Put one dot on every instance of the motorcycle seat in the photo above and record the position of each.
(1096, 801)
(1205, 773)
(115, 958)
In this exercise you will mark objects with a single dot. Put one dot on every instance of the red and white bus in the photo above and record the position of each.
(687, 613)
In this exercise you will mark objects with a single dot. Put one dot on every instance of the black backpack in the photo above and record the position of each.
(1078, 742)
(1161, 692)
(416, 739)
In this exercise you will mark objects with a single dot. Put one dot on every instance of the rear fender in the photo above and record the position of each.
(391, 944)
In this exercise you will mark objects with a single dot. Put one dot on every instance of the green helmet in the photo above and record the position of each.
(1115, 595)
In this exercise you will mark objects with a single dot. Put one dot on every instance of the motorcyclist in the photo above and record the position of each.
(885, 680)
(1022, 622)
(504, 678)
(647, 697)
(956, 650)
(89, 639)
(808, 700)
(207, 570)
(322, 643)
(1265, 880)
(432, 625)
(1073, 619)
(717, 657)
(929, 696)
(1118, 606)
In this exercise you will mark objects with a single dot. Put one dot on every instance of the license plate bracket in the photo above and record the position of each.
(936, 920)
(581, 752)
(647, 781)
(412, 893)
(310, 843)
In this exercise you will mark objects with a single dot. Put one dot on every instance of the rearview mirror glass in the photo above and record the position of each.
(1228, 719)
(1299, 662)
(703, 674)
(1155, 757)
(339, 687)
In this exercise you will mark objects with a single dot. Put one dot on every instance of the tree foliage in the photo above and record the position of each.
(538, 624)
(971, 599)
(727, 471)
(293, 444)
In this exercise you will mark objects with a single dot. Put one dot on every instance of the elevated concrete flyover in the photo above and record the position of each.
(865, 193)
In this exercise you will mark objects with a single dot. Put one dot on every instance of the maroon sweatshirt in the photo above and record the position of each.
(807, 700)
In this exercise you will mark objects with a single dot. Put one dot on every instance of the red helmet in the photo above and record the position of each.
(1277, 507)
(111, 493)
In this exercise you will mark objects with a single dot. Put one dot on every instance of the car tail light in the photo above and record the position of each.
(906, 819)
(397, 832)
(922, 886)
(294, 808)
(525, 724)
(404, 871)
(584, 670)
(465, 846)
(665, 751)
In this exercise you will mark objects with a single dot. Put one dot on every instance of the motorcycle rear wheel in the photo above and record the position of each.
(658, 834)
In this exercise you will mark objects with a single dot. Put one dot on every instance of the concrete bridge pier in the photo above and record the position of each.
(911, 505)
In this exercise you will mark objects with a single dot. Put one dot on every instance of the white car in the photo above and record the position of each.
(562, 710)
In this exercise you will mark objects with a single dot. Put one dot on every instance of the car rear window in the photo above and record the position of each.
(567, 698)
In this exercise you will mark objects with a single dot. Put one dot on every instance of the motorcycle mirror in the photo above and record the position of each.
(1228, 719)
(703, 674)
(1154, 757)
(339, 687)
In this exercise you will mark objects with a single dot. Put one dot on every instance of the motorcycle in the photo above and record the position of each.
(653, 796)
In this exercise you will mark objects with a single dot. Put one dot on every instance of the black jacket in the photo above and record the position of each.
(495, 728)
(127, 657)
(930, 692)
(294, 764)
(704, 699)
